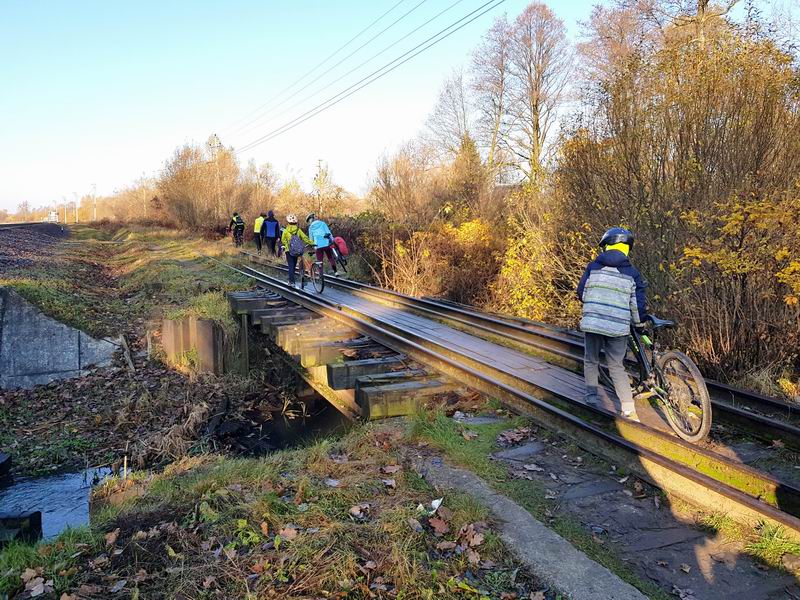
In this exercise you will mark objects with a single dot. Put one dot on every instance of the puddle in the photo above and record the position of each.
(258, 434)
(62, 499)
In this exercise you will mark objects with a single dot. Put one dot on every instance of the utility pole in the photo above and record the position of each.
(75, 204)
(64, 198)
(319, 185)
(94, 199)
(215, 146)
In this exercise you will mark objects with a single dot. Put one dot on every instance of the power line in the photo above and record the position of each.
(317, 66)
(374, 76)
(356, 68)
(370, 40)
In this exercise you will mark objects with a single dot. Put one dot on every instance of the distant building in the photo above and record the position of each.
(52, 217)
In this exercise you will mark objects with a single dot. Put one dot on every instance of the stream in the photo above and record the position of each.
(64, 499)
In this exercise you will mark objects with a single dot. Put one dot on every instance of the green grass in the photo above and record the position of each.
(444, 433)
(243, 504)
(56, 558)
(771, 544)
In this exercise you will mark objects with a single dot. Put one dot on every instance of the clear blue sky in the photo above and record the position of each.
(103, 92)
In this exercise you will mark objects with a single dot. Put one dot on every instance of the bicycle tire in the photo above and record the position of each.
(318, 277)
(301, 263)
(342, 262)
(694, 386)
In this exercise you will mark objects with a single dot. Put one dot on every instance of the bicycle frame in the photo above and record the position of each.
(649, 373)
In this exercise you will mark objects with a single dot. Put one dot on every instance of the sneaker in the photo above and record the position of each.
(631, 415)
(335, 273)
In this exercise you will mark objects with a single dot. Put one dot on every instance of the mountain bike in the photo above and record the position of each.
(311, 268)
(340, 260)
(238, 236)
(671, 379)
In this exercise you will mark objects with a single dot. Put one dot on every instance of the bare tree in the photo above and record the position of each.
(540, 63)
(490, 85)
(450, 120)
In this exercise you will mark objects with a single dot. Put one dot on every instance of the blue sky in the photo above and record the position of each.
(103, 92)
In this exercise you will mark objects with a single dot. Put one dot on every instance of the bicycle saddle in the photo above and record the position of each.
(661, 323)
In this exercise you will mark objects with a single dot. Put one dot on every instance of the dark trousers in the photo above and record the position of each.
(291, 263)
(615, 349)
(257, 240)
(270, 242)
(326, 251)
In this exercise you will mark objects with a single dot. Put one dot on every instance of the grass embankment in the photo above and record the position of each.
(339, 519)
(766, 543)
(104, 280)
(110, 282)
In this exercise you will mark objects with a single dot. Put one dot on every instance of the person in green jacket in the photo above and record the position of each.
(257, 235)
(294, 242)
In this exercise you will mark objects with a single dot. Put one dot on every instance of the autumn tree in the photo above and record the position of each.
(540, 60)
(490, 86)
(450, 120)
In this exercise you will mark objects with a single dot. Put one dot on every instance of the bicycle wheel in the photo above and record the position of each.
(302, 265)
(318, 276)
(688, 405)
(342, 262)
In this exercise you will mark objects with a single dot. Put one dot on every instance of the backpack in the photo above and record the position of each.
(296, 245)
(341, 245)
(239, 222)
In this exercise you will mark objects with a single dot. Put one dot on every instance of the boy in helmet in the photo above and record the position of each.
(613, 295)
(237, 226)
(294, 242)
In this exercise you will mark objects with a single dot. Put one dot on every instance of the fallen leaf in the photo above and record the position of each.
(390, 483)
(332, 482)
(663, 563)
(685, 568)
(288, 533)
(445, 513)
(415, 525)
(532, 467)
(264, 528)
(513, 436)
(553, 476)
(339, 459)
(111, 538)
(446, 546)
(468, 434)
(389, 469)
(778, 444)
(359, 511)
(66, 596)
(550, 495)
(209, 581)
(439, 526)
(370, 565)
(473, 557)
(624, 479)
(28, 574)
(638, 490)
(118, 586)
(536, 596)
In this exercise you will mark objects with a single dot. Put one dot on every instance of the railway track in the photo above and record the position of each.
(695, 473)
(763, 417)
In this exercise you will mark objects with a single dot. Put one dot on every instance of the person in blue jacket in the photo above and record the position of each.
(613, 295)
(270, 231)
(320, 234)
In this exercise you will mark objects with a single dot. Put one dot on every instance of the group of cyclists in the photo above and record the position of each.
(289, 239)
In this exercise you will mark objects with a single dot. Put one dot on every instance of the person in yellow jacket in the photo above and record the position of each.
(294, 242)
(257, 235)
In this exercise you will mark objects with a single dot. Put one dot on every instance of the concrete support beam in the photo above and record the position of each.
(398, 399)
(343, 375)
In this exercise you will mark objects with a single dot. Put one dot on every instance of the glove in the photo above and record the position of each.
(639, 327)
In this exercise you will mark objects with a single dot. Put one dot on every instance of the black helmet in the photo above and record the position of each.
(616, 235)
(310, 217)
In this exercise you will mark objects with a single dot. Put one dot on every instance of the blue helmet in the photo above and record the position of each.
(616, 235)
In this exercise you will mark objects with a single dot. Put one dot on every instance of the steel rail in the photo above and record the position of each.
(568, 345)
(757, 493)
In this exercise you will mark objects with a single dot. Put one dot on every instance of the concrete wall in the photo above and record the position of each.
(35, 349)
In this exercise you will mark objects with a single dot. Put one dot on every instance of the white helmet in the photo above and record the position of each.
(291, 219)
